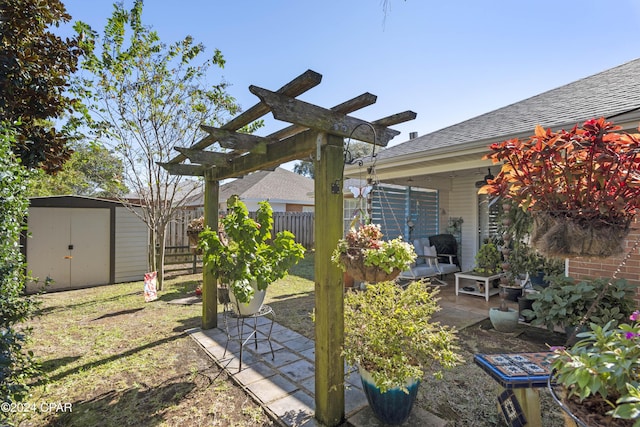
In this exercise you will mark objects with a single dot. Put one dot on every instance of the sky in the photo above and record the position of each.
(448, 61)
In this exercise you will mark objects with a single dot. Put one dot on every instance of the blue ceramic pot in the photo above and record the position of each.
(392, 407)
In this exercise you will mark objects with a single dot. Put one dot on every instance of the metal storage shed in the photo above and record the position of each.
(79, 242)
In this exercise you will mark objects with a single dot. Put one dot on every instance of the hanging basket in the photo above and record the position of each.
(566, 237)
(194, 236)
(355, 268)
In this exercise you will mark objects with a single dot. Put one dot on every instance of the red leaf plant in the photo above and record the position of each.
(588, 177)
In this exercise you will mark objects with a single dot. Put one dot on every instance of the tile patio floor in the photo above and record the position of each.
(284, 384)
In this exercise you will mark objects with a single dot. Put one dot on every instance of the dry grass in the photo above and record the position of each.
(122, 362)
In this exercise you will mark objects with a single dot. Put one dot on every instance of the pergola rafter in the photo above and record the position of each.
(314, 132)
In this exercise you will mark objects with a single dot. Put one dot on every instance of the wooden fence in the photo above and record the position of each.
(299, 223)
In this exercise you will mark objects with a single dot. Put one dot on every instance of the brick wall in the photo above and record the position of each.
(582, 268)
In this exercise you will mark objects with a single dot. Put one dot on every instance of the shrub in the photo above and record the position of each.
(16, 365)
(564, 302)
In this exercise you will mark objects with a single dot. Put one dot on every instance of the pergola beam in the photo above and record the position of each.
(295, 87)
(321, 119)
(206, 158)
(394, 119)
(353, 104)
(237, 141)
(182, 169)
(293, 148)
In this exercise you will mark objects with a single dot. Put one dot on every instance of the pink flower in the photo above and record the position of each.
(630, 335)
(635, 316)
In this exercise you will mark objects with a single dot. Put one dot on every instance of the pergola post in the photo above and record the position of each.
(329, 302)
(209, 281)
(240, 154)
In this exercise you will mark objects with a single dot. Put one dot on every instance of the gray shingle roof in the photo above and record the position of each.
(609, 93)
(280, 184)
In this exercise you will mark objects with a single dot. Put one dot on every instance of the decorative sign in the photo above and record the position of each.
(511, 409)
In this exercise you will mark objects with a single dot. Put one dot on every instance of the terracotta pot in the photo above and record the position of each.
(347, 280)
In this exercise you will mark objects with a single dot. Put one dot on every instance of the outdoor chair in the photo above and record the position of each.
(429, 263)
(446, 247)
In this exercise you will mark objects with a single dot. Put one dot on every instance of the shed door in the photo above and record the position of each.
(71, 246)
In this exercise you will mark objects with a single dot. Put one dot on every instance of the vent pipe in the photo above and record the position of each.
(413, 135)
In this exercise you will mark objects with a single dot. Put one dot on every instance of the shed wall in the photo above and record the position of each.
(132, 237)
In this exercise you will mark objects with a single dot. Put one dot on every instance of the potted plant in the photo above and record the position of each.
(367, 258)
(389, 336)
(564, 302)
(488, 259)
(194, 228)
(582, 186)
(595, 388)
(243, 255)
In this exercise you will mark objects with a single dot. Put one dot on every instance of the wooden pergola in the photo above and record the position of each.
(317, 132)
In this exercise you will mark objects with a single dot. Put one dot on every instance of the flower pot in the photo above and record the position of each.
(366, 273)
(504, 321)
(525, 303)
(392, 407)
(194, 236)
(538, 280)
(250, 308)
(347, 280)
(512, 294)
(223, 295)
(570, 420)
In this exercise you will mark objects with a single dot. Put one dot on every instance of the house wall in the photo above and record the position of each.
(596, 268)
(132, 237)
(297, 207)
(463, 202)
(252, 206)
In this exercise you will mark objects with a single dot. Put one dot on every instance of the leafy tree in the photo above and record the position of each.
(16, 365)
(146, 98)
(35, 66)
(92, 170)
(355, 150)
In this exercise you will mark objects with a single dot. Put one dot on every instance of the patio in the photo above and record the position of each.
(285, 385)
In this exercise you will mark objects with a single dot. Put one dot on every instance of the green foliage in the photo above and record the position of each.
(145, 98)
(16, 365)
(564, 302)
(388, 331)
(36, 68)
(242, 251)
(588, 174)
(604, 363)
(365, 243)
(91, 170)
(488, 259)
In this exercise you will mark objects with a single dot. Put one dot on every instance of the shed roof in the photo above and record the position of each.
(607, 94)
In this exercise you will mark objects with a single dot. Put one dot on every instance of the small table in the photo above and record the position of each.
(522, 373)
(265, 311)
(479, 277)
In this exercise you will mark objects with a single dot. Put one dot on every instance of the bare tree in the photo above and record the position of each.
(145, 98)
